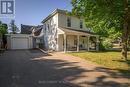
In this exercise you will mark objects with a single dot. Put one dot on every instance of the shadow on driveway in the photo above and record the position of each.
(29, 68)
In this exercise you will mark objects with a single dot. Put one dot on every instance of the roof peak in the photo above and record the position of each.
(54, 12)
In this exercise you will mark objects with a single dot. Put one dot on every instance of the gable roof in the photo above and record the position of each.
(26, 29)
(37, 30)
(53, 13)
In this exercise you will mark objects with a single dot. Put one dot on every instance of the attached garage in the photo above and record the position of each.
(19, 41)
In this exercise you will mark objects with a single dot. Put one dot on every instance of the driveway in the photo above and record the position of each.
(32, 68)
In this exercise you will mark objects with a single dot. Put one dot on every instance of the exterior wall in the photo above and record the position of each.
(50, 36)
(75, 22)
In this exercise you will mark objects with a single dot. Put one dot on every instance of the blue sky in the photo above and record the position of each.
(32, 12)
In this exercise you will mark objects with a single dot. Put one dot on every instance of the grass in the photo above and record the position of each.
(109, 59)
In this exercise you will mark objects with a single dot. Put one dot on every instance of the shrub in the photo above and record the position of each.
(105, 44)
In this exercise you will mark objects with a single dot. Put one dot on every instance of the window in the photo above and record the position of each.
(81, 24)
(45, 27)
(68, 22)
(48, 27)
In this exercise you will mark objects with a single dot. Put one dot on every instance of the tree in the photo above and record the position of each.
(13, 28)
(3, 31)
(106, 14)
(3, 28)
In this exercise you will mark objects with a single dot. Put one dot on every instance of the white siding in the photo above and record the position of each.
(75, 22)
(50, 36)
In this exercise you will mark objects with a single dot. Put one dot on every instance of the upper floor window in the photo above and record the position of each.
(48, 26)
(81, 24)
(45, 28)
(68, 22)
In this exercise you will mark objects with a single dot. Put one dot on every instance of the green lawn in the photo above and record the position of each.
(109, 59)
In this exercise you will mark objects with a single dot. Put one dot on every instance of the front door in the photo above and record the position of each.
(83, 43)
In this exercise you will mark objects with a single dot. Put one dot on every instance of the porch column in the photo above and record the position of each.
(88, 42)
(77, 43)
(97, 43)
(65, 42)
(57, 46)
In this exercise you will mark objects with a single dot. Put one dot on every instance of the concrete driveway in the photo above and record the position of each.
(32, 68)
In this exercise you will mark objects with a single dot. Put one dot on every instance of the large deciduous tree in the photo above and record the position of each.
(106, 15)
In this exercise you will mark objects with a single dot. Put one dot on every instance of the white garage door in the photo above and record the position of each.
(20, 43)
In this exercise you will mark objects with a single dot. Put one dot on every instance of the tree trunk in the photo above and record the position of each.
(124, 40)
(125, 35)
(125, 29)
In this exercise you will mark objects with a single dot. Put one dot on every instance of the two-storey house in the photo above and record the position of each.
(63, 32)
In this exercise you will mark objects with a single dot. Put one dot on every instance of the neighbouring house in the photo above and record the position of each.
(61, 32)
(26, 29)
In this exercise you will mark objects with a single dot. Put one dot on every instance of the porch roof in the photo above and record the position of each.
(76, 31)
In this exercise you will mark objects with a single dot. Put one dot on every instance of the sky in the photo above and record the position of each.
(32, 12)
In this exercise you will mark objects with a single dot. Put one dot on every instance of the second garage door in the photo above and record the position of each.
(20, 43)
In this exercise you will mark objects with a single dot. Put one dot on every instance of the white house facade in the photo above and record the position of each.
(68, 33)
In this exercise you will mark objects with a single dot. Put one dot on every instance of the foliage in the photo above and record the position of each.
(107, 44)
(99, 14)
(3, 31)
(3, 28)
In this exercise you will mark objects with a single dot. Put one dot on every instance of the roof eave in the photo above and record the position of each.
(53, 13)
(83, 31)
(49, 16)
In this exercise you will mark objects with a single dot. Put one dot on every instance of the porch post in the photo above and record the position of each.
(97, 43)
(57, 46)
(77, 43)
(65, 42)
(88, 42)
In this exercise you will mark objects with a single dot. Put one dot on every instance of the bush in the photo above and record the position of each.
(101, 47)
(105, 44)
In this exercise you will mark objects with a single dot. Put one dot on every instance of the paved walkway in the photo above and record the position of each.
(32, 68)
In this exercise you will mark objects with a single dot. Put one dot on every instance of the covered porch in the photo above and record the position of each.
(70, 40)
